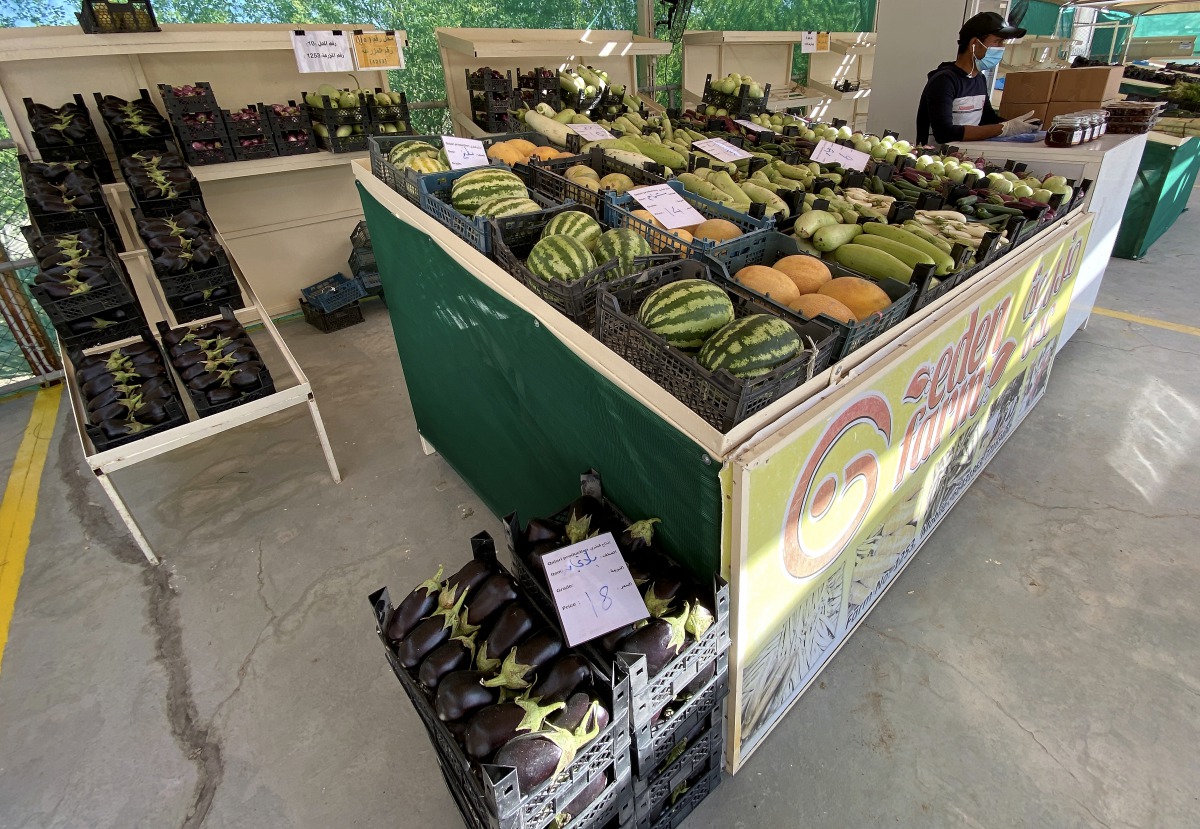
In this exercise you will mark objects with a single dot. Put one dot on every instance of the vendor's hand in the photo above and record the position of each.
(1020, 125)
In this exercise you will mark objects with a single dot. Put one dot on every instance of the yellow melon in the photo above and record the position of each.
(581, 171)
(807, 272)
(812, 304)
(544, 153)
(504, 152)
(861, 296)
(768, 282)
(717, 230)
(522, 146)
(646, 216)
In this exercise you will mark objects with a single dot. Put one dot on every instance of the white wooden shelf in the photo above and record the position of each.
(832, 94)
(573, 44)
(267, 166)
(852, 49)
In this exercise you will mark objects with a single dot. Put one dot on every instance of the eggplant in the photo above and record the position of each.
(415, 606)
(455, 655)
(513, 625)
(580, 803)
(430, 633)
(491, 727)
(488, 599)
(246, 380)
(204, 382)
(637, 536)
(520, 665)
(462, 693)
(113, 411)
(538, 757)
(660, 594)
(153, 413)
(543, 529)
(578, 709)
(564, 676)
(221, 396)
(611, 641)
(648, 564)
(472, 574)
(660, 641)
(114, 429)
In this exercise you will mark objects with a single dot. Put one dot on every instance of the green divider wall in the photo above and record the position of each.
(518, 415)
(1160, 194)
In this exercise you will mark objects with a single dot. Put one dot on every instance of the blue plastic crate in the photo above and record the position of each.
(333, 293)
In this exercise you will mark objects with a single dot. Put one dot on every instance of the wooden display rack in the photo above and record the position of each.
(288, 231)
(464, 50)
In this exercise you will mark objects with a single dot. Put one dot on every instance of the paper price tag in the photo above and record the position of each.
(464, 153)
(667, 206)
(720, 149)
(822, 41)
(591, 132)
(827, 152)
(378, 50)
(753, 127)
(593, 589)
(323, 51)
(808, 42)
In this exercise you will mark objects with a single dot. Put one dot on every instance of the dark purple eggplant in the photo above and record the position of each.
(520, 666)
(543, 529)
(113, 429)
(245, 380)
(431, 633)
(153, 413)
(462, 693)
(660, 594)
(648, 564)
(472, 574)
(455, 655)
(581, 707)
(458, 729)
(488, 599)
(512, 626)
(562, 679)
(580, 803)
(113, 411)
(538, 757)
(220, 396)
(611, 641)
(660, 641)
(637, 536)
(414, 607)
(492, 727)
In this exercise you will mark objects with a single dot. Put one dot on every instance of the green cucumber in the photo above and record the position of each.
(943, 261)
(872, 262)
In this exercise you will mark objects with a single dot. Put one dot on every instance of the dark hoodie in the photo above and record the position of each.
(952, 98)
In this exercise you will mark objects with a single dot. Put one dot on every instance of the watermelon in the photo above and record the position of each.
(751, 346)
(622, 244)
(400, 154)
(507, 206)
(577, 225)
(687, 312)
(425, 164)
(560, 257)
(474, 188)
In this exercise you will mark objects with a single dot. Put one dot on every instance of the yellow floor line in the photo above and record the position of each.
(20, 502)
(1170, 326)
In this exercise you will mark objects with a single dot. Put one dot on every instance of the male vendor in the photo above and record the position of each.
(954, 104)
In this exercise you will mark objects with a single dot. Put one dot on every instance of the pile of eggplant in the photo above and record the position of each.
(127, 392)
(73, 264)
(131, 120)
(61, 187)
(181, 243)
(500, 678)
(681, 609)
(66, 126)
(158, 175)
(217, 361)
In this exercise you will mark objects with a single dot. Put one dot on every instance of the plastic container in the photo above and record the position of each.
(131, 325)
(435, 200)
(548, 179)
(344, 317)
(99, 17)
(360, 237)
(333, 292)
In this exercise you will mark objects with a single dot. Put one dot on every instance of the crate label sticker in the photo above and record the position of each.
(465, 153)
(827, 152)
(750, 125)
(378, 50)
(808, 42)
(666, 205)
(323, 51)
(720, 149)
(591, 132)
(594, 592)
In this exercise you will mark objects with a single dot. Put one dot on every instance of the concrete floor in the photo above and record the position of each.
(1036, 666)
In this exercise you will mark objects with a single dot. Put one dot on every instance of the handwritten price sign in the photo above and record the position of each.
(591, 132)
(592, 588)
(667, 206)
(378, 50)
(720, 149)
(753, 127)
(322, 51)
(827, 152)
(464, 153)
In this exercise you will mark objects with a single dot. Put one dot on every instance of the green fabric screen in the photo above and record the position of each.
(1160, 194)
(519, 416)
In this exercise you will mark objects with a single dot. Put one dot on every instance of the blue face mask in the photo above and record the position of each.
(990, 60)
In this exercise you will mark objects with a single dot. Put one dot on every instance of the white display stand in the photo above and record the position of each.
(1112, 164)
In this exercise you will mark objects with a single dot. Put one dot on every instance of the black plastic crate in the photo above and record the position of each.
(213, 129)
(330, 115)
(349, 144)
(929, 288)
(738, 104)
(371, 282)
(246, 128)
(435, 200)
(133, 324)
(185, 313)
(94, 154)
(533, 89)
(95, 302)
(360, 237)
(177, 286)
(278, 121)
(189, 198)
(486, 83)
(334, 321)
(175, 105)
(491, 796)
(266, 149)
(205, 409)
(721, 399)
(362, 259)
(771, 247)
(548, 179)
(56, 141)
(201, 158)
(306, 144)
(396, 114)
(677, 809)
(332, 293)
(99, 17)
(655, 745)
(128, 145)
(496, 122)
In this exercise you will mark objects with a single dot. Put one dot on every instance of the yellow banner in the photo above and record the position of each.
(378, 50)
(833, 512)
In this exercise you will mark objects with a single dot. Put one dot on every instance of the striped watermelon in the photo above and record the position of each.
(687, 312)
(622, 244)
(560, 257)
(425, 164)
(577, 225)
(750, 347)
(474, 188)
(507, 206)
(401, 153)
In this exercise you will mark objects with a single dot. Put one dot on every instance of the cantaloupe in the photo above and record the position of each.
(581, 171)
(681, 241)
(544, 153)
(647, 216)
(717, 230)
(507, 153)
(618, 182)
(768, 282)
(808, 273)
(522, 146)
(812, 304)
(861, 296)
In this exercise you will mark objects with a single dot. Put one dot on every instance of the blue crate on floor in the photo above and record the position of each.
(334, 292)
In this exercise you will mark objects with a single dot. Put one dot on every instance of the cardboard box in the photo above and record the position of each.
(1092, 83)
(1029, 87)
(1008, 110)
(1067, 107)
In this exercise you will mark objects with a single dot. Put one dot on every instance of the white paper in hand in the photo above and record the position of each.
(323, 51)
(591, 132)
(720, 149)
(827, 152)
(465, 153)
(667, 206)
(592, 588)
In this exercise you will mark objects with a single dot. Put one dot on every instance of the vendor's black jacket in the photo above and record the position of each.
(950, 90)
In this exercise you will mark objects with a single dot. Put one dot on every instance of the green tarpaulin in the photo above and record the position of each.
(1160, 193)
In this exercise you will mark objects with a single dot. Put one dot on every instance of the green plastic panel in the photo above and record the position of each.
(519, 416)
(1160, 194)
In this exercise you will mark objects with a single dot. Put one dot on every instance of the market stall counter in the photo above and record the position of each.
(810, 507)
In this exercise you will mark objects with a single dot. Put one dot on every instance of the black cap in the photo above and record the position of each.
(988, 23)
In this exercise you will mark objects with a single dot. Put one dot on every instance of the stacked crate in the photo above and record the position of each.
(249, 133)
(491, 98)
(290, 127)
(362, 260)
(54, 144)
(329, 119)
(197, 122)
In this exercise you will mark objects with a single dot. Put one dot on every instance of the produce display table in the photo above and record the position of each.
(1160, 192)
(810, 508)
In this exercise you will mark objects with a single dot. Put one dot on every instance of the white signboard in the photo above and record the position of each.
(753, 127)
(666, 205)
(323, 51)
(591, 132)
(464, 153)
(828, 152)
(721, 149)
(593, 589)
